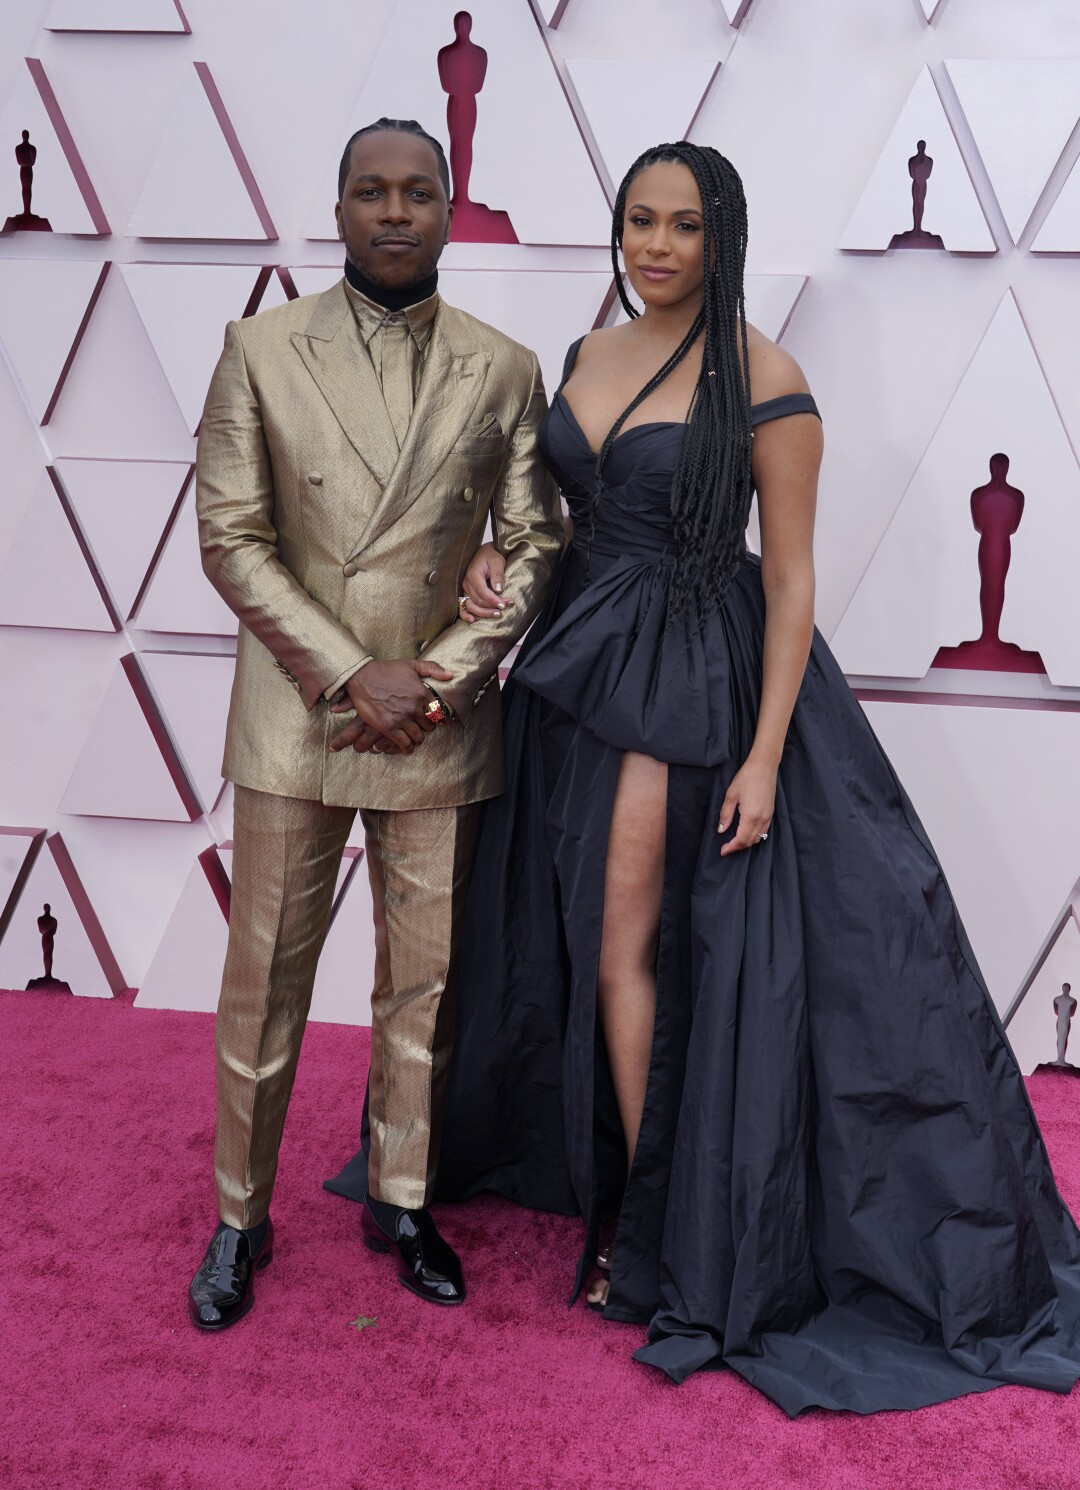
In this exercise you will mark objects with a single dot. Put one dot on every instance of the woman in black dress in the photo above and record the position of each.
(714, 986)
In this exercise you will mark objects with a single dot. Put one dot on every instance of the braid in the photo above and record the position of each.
(713, 486)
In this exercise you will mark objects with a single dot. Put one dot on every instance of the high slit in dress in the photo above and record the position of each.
(839, 1188)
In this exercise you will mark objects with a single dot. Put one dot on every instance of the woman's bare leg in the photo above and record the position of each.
(626, 981)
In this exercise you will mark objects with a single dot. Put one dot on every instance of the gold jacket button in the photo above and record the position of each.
(468, 494)
(349, 571)
(315, 479)
(433, 576)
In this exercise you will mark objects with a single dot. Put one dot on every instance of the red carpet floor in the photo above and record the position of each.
(105, 1155)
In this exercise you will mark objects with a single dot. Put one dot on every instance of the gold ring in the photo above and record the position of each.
(437, 711)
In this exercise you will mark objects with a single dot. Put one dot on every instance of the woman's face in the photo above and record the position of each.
(664, 235)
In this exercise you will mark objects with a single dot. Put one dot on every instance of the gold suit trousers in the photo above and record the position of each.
(286, 856)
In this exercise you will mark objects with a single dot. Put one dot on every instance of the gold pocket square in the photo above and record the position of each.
(489, 426)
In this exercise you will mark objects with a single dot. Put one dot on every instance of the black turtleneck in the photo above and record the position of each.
(392, 299)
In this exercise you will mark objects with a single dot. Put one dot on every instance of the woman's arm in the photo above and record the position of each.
(482, 588)
(786, 461)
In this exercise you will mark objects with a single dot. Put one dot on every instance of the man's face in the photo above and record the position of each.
(393, 216)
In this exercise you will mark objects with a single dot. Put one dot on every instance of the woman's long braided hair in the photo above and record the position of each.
(713, 487)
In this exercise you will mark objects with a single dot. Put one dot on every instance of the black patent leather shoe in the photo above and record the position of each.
(223, 1290)
(425, 1264)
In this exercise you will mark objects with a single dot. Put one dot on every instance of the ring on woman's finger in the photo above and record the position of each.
(462, 601)
(762, 837)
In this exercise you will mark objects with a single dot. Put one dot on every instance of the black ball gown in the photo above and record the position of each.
(839, 1189)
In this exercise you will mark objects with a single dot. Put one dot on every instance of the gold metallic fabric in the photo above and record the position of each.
(285, 862)
(286, 855)
(333, 545)
(372, 320)
(396, 376)
(418, 864)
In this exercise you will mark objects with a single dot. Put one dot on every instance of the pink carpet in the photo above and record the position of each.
(105, 1156)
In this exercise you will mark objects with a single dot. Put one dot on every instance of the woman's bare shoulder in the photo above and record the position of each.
(773, 372)
(606, 344)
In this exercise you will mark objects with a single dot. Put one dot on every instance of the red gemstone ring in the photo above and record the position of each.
(437, 712)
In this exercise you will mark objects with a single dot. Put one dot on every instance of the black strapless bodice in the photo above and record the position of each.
(634, 516)
(610, 656)
(635, 513)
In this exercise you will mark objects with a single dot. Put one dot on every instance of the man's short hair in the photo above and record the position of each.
(396, 127)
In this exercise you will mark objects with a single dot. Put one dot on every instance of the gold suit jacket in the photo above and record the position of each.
(333, 548)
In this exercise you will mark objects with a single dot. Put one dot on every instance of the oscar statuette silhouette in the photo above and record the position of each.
(27, 220)
(462, 70)
(1064, 1008)
(919, 168)
(47, 925)
(996, 510)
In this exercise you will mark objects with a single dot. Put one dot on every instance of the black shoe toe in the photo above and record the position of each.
(223, 1289)
(427, 1266)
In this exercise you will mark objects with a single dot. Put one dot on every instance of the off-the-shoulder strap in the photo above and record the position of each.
(780, 408)
(571, 358)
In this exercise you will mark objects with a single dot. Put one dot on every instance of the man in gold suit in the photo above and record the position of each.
(352, 449)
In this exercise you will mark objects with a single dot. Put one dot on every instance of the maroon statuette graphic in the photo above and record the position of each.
(26, 221)
(47, 925)
(919, 168)
(996, 510)
(462, 70)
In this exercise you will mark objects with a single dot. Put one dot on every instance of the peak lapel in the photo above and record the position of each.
(449, 391)
(337, 359)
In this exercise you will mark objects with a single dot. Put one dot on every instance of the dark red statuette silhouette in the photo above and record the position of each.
(919, 167)
(47, 926)
(26, 221)
(996, 510)
(462, 69)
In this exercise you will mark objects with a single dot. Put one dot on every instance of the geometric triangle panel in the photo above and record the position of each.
(116, 401)
(20, 441)
(193, 692)
(771, 300)
(45, 580)
(930, 8)
(1021, 114)
(1060, 232)
(552, 12)
(134, 16)
(123, 508)
(1043, 1029)
(48, 191)
(45, 308)
(983, 547)
(313, 279)
(961, 767)
(633, 102)
(122, 770)
(185, 971)
(185, 308)
(919, 194)
(18, 849)
(489, 70)
(736, 10)
(179, 598)
(543, 309)
(81, 958)
(132, 873)
(200, 185)
(274, 292)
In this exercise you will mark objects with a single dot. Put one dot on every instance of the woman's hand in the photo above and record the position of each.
(753, 794)
(482, 585)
